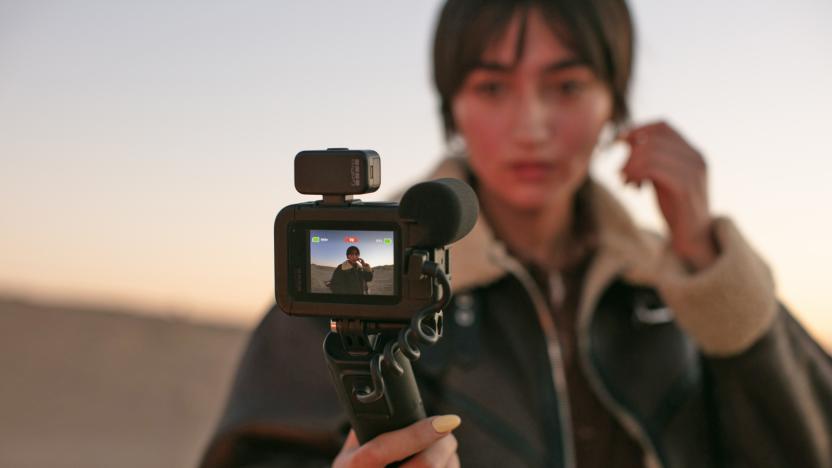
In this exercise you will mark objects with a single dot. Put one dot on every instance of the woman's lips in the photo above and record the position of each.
(532, 171)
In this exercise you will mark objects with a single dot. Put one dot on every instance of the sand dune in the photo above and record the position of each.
(85, 388)
(104, 388)
(382, 282)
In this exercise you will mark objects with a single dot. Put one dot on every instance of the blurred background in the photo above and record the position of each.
(145, 148)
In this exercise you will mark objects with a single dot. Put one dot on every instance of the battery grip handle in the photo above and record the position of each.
(398, 407)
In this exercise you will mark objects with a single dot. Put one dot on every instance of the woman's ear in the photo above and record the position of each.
(456, 145)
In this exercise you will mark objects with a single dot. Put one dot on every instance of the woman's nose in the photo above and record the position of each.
(531, 127)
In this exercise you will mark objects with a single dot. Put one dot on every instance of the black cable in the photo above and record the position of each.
(422, 333)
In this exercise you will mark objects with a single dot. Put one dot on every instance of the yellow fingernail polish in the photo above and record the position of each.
(446, 423)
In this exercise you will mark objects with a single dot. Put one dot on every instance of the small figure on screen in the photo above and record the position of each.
(352, 276)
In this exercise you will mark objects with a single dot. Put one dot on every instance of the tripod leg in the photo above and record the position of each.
(400, 405)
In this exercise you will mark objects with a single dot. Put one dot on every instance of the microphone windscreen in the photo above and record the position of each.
(444, 209)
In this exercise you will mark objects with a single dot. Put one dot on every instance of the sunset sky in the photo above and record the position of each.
(331, 246)
(145, 147)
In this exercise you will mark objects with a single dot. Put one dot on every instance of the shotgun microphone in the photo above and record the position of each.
(444, 211)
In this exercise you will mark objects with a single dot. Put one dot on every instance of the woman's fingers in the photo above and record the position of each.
(453, 462)
(660, 155)
(351, 443)
(659, 145)
(397, 445)
(438, 454)
(684, 174)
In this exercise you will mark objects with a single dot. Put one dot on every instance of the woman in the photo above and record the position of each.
(352, 276)
(575, 339)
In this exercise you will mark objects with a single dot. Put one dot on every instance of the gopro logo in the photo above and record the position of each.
(355, 172)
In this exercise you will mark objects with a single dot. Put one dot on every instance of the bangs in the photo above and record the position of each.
(487, 27)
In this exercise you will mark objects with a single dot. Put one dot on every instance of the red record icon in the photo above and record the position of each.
(351, 240)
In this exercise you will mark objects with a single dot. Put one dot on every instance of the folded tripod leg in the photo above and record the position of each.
(398, 403)
(370, 363)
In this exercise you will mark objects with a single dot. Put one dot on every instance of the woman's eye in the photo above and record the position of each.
(564, 88)
(569, 87)
(490, 88)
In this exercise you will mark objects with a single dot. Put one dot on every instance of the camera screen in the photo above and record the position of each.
(351, 262)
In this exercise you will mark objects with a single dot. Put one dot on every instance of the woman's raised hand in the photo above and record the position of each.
(429, 442)
(660, 155)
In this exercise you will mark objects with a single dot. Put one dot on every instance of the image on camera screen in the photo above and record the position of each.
(351, 262)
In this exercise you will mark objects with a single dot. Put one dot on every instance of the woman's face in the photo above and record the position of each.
(530, 125)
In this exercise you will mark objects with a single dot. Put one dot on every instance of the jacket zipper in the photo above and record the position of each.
(628, 422)
(553, 350)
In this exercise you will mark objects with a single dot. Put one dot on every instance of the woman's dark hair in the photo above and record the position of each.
(599, 32)
(353, 249)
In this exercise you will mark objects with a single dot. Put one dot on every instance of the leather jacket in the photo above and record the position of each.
(702, 370)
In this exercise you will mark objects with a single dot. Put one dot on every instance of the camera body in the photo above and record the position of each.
(379, 271)
(309, 236)
(312, 241)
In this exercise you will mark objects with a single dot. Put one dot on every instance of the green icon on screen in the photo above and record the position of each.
(315, 239)
(388, 241)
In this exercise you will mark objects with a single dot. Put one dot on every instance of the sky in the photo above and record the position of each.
(146, 147)
(331, 247)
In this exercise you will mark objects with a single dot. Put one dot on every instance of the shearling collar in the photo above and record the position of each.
(726, 307)
(479, 258)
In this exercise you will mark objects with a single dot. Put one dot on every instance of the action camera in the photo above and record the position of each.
(343, 258)
(379, 271)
